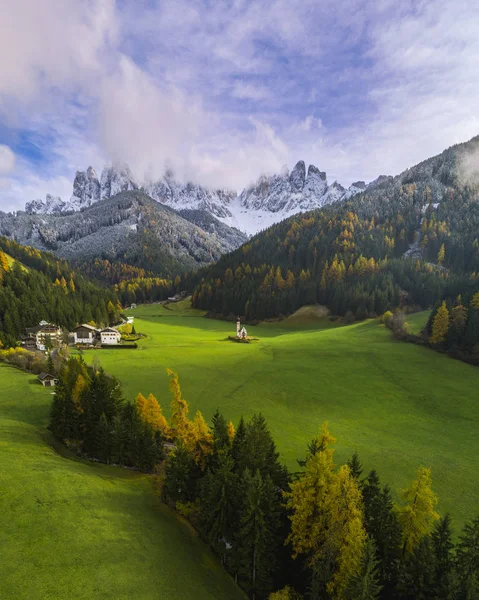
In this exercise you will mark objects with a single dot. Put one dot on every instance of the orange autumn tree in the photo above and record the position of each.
(150, 411)
(195, 435)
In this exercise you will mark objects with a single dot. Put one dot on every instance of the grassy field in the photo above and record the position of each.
(72, 530)
(397, 404)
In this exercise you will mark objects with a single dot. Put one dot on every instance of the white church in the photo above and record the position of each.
(240, 331)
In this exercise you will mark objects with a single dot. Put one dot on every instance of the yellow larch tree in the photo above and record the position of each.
(440, 324)
(417, 516)
(441, 254)
(307, 498)
(201, 439)
(231, 431)
(140, 402)
(345, 536)
(180, 423)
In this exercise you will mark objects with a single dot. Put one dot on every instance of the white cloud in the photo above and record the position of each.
(7, 160)
(224, 95)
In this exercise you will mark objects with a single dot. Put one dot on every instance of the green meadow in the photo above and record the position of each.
(72, 530)
(398, 405)
(79, 530)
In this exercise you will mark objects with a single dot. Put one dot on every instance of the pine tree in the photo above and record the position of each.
(355, 466)
(238, 443)
(467, 562)
(258, 452)
(50, 364)
(417, 574)
(219, 499)
(440, 325)
(443, 559)
(381, 523)
(103, 443)
(180, 475)
(364, 584)
(418, 515)
(258, 536)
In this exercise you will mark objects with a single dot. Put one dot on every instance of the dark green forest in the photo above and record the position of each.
(37, 286)
(373, 253)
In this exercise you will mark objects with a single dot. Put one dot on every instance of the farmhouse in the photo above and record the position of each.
(36, 338)
(84, 334)
(47, 380)
(109, 335)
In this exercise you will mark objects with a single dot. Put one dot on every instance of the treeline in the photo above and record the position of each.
(364, 288)
(89, 414)
(324, 532)
(36, 286)
(453, 326)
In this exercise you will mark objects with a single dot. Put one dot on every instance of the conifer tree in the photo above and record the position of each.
(364, 584)
(355, 466)
(440, 325)
(381, 523)
(418, 515)
(443, 559)
(416, 580)
(179, 410)
(440, 255)
(219, 500)
(287, 593)
(258, 452)
(258, 536)
(467, 562)
(180, 475)
(238, 442)
(231, 431)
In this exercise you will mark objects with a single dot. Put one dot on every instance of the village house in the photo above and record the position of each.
(109, 335)
(47, 380)
(36, 338)
(84, 334)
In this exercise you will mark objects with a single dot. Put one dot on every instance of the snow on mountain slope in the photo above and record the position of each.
(269, 200)
(272, 199)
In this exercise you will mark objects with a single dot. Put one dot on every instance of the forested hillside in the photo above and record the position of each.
(409, 241)
(130, 228)
(36, 286)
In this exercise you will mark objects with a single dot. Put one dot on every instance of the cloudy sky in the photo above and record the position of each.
(224, 91)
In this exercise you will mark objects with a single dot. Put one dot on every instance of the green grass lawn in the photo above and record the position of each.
(72, 530)
(397, 404)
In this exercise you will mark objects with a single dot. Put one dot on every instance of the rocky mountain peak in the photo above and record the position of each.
(360, 185)
(297, 176)
(86, 189)
(116, 179)
(314, 171)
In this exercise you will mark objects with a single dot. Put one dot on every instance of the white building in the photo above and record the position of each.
(84, 334)
(110, 336)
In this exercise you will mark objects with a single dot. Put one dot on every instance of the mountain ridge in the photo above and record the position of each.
(270, 199)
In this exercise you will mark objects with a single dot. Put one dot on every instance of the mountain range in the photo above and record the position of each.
(270, 200)
(171, 227)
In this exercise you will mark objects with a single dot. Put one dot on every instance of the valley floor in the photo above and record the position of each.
(78, 530)
(398, 405)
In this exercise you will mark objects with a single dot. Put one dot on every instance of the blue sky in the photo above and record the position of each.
(224, 91)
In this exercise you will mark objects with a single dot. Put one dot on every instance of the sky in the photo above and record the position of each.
(224, 91)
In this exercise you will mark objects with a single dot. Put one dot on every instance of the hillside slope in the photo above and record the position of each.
(352, 255)
(130, 227)
(36, 286)
(81, 530)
